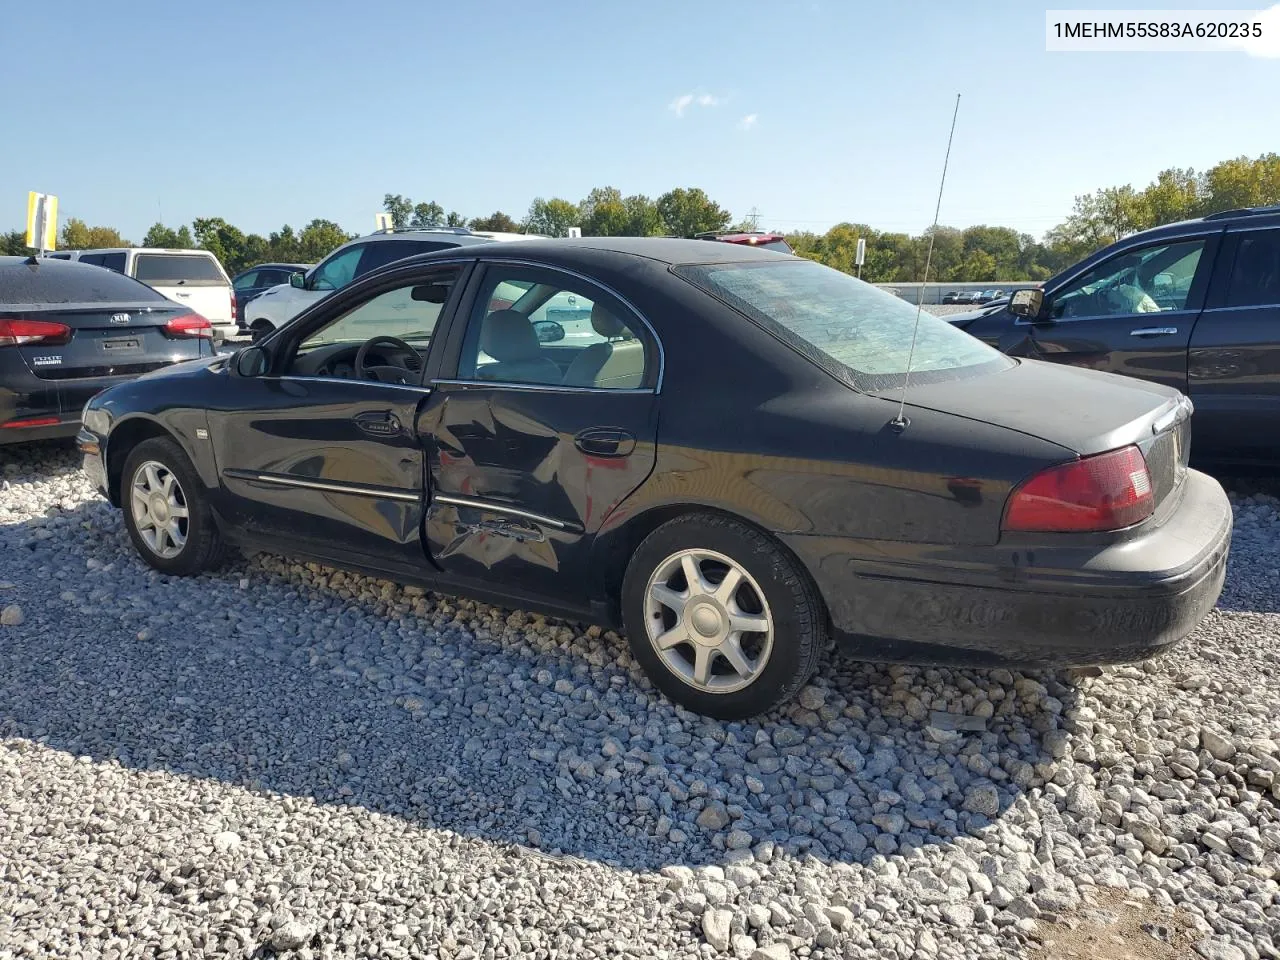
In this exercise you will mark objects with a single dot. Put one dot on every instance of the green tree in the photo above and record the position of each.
(400, 208)
(224, 241)
(161, 236)
(455, 219)
(603, 213)
(319, 238)
(551, 217)
(14, 244)
(427, 215)
(1175, 195)
(1242, 182)
(686, 211)
(497, 222)
(78, 235)
(283, 245)
(643, 218)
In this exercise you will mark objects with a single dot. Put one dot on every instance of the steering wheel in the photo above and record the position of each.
(383, 373)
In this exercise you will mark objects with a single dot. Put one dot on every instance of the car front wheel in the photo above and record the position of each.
(165, 512)
(722, 619)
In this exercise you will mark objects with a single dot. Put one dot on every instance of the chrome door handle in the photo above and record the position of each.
(1153, 332)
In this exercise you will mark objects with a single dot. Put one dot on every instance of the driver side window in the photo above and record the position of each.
(407, 312)
(336, 272)
(1149, 280)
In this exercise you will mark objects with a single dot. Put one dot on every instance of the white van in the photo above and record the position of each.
(193, 278)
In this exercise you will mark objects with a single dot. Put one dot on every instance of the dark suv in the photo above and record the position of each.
(1195, 305)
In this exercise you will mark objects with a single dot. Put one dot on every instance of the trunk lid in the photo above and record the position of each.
(107, 340)
(1084, 411)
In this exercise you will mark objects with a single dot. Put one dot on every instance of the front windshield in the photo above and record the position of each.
(854, 330)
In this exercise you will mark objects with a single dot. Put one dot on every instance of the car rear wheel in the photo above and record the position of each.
(165, 512)
(260, 328)
(722, 619)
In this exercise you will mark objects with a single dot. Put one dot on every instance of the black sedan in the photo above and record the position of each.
(68, 330)
(716, 461)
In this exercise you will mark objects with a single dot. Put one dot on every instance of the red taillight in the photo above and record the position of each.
(233, 304)
(30, 422)
(1103, 492)
(188, 325)
(16, 332)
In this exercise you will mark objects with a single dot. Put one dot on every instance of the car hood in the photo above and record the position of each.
(971, 315)
(1086, 411)
(186, 368)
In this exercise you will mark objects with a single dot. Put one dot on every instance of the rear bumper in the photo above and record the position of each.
(1045, 603)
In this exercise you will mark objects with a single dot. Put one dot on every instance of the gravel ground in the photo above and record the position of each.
(283, 759)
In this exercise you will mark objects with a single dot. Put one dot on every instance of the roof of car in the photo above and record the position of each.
(268, 266)
(178, 250)
(669, 250)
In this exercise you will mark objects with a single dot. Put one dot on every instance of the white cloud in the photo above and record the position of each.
(749, 121)
(1268, 45)
(680, 104)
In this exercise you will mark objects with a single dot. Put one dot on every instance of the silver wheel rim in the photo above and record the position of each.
(159, 509)
(708, 621)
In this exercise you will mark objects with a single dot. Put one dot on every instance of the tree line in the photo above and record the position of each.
(974, 254)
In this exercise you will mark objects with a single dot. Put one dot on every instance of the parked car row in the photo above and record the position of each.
(69, 330)
(193, 278)
(972, 296)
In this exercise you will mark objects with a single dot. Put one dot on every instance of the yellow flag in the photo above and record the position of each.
(33, 210)
(42, 220)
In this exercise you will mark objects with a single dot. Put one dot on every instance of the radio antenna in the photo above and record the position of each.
(900, 422)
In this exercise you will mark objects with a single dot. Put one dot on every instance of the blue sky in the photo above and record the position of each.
(278, 111)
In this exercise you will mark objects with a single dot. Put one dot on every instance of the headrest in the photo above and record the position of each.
(605, 323)
(508, 335)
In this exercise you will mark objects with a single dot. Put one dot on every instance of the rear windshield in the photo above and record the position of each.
(62, 282)
(780, 245)
(176, 269)
(857, 332)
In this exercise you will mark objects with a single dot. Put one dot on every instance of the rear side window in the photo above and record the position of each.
(174, 269)
(381, 253)
(1255, 276)
(855, 331)
(70, 283)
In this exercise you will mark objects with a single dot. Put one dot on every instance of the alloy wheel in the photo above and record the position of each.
(708, 621)
(159, 509)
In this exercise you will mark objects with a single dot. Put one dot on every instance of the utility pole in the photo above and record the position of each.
(754, 217)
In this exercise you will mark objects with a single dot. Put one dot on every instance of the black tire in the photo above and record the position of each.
(203, 549)
(259, 329)
(799, 618)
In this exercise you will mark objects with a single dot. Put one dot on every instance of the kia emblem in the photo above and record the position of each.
(119, 318)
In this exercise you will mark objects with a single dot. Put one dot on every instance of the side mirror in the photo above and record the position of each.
(250, 362)
(296, 280)
(548, 331)
(1027, 303)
